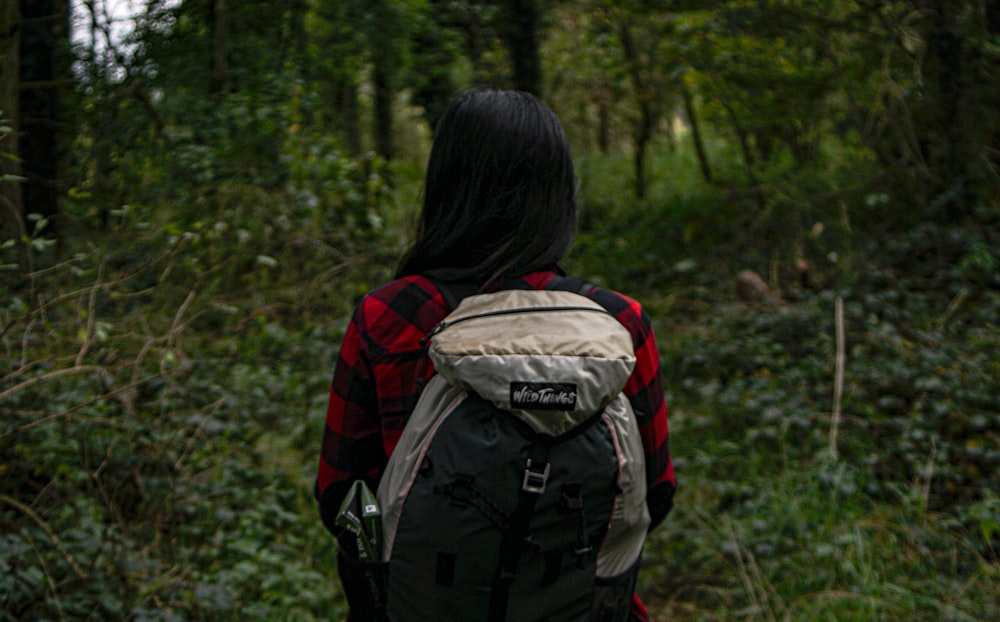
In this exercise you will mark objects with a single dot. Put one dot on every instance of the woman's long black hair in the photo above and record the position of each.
(499, 192)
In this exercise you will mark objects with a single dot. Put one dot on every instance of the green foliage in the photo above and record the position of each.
(902, 520)
(163, 403)
(769, 524)
(166, 363)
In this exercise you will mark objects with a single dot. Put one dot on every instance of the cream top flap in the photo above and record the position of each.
(552, 354)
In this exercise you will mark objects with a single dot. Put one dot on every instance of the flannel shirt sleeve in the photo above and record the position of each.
(380, 371)
(352, 447)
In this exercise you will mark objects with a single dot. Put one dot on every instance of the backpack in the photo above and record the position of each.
(517, 489)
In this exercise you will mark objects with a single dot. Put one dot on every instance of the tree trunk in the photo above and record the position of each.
(435, 91)
(434, 97)
(11, 206)
(434, 59)
(218, 26)
(300, 51)
(639, 161)
(522, 44)
(699, 146)
(382, 130)
(384, 53)
(644, 98)
(992, 141)
(345, 104)
(44, 33)
(603, 127)
(749, 162)
(954, 162)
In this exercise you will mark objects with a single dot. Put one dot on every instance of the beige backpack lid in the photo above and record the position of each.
(553, 358)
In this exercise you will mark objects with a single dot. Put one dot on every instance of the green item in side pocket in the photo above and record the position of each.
(371, 518)
(360, 515)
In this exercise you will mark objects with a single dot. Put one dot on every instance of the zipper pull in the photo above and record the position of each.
(437, 329)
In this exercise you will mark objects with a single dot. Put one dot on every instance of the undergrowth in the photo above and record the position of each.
(162, 401)
(891, 511)
(164, 386)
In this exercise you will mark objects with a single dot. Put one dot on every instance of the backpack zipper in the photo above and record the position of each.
(443, 324)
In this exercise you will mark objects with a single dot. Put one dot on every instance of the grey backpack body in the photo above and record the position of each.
(517, 489)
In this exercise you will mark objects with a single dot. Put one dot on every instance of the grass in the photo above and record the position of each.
(805, 544)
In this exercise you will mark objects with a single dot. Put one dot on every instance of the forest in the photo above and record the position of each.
(802, 194)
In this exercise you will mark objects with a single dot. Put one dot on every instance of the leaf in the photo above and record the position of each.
(40, 244)
(76, 193)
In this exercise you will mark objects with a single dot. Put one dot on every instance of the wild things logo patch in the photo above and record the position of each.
(543, 395)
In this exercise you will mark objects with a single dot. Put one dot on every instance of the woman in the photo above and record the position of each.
(498, 212)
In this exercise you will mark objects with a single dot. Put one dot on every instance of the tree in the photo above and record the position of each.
(384, 72)
(386, 25)
(646, 36)
(772, 69)
(436, 50)
(520, 25)
(226, 74)
(217, 25)
(585, 79)
(44, 71)
(11, 206)
(912, 81)
(644, 100)
(696, 136)
(954, 80)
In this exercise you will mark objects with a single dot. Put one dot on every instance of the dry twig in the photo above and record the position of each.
(11, 501)
(838, 386)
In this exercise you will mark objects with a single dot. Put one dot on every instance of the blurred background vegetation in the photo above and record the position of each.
(195, 193)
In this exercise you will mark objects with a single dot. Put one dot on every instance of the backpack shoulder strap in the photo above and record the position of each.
(453, 292)
(570, 284)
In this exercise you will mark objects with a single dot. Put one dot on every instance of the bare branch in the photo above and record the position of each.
(11, 501)
(52, 375)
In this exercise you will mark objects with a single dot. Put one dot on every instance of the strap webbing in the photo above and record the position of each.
(454, 293)
(536, 470)
(569, 284)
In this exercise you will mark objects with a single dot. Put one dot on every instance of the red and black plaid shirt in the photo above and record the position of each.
(382, 368)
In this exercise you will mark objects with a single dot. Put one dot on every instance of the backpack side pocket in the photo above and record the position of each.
(365, 587)
(613, 596)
